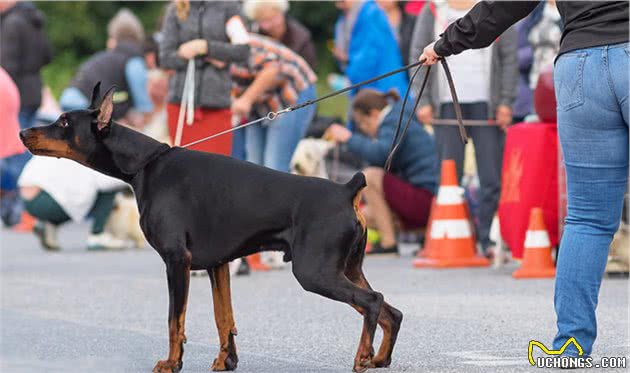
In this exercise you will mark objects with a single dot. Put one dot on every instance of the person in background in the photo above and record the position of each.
(122, 65)
(56, 191)
(24, 51)
(407, 189)
(271, 19)
(401, 22)
(13, 155)
(156, 124)
(486, 87)
(273, 79)
(591, 85)
(544, 38)
(365, 45)
(213, 35)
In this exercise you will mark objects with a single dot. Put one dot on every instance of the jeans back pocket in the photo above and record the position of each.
(568, 80)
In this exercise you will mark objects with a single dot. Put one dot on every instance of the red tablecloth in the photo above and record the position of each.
(529, 179)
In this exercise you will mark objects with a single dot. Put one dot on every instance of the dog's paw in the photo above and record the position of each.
(226, 361)
(381, 362)
(363, 365)
(167, 366)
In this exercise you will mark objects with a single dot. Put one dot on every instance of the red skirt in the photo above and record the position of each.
(206, 123)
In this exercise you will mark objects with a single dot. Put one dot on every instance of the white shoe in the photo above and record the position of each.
(47, 234)
(105, 241)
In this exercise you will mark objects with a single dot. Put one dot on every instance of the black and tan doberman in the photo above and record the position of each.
(200, 211)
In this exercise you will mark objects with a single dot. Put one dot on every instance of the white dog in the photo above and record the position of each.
(124, 221)
(309, 157)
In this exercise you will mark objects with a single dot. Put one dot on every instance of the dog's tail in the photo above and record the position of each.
(356, 183)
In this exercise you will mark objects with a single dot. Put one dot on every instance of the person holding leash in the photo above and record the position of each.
(591, 84)
(212, 35)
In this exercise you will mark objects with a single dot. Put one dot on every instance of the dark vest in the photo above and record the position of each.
(108, 67)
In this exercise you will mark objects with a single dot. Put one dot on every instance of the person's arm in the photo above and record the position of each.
(423, 35)
(266, 78)
(481, 26)
(508, 52)
(374, 151)
(136, 75)
(236, 49)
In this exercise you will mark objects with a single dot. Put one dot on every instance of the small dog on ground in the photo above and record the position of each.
(309, 158)
(124, 221)
(201, 210)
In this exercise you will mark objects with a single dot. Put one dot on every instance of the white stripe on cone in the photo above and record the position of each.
(537, 239)
(450, 195)
(450, 228)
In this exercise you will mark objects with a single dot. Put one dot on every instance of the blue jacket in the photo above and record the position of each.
(373, 51)
(416, 158)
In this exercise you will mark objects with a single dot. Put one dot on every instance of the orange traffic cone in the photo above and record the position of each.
(256, 264)
(450, 239)
(537, 261)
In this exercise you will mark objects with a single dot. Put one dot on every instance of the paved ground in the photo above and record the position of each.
(106, 312)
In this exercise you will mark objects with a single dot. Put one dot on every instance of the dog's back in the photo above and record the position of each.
(214, 199)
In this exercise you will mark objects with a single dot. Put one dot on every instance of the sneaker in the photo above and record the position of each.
(377, 249)
(47, 235)
(105, 241)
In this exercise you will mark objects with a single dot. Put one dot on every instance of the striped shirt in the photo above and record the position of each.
(294, 77)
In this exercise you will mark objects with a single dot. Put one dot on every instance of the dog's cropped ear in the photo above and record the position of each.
(105, 110)
(95, 94)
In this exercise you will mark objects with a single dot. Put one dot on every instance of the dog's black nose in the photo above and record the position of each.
(22, 135)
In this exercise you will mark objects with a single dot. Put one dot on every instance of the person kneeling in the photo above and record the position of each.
(406, 190)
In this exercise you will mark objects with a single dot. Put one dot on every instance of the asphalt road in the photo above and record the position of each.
(78, 311)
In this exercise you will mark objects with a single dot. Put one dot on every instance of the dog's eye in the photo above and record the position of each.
(63, 123)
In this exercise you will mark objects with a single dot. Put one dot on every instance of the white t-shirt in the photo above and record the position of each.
(470, 71)
(71, 184)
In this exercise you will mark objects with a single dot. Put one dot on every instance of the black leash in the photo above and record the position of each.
(396, 142)
(458, 110)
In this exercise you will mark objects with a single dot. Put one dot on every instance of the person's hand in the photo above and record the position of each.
(241, 107)
(192, 48)
(504, 116)
(337, 133)
(425, 114)
(428, 55)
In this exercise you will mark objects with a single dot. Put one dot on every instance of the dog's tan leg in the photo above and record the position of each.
(224, 318)
(178, 273)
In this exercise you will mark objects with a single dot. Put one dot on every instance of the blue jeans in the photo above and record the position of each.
(271, 144)
(592, 93)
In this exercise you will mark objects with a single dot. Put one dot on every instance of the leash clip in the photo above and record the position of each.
(272, 115)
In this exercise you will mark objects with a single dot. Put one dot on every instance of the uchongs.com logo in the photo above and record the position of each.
(556, 359)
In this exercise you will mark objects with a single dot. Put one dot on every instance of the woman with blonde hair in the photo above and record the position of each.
(212, 35)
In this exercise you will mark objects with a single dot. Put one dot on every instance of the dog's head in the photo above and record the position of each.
(75, 134)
